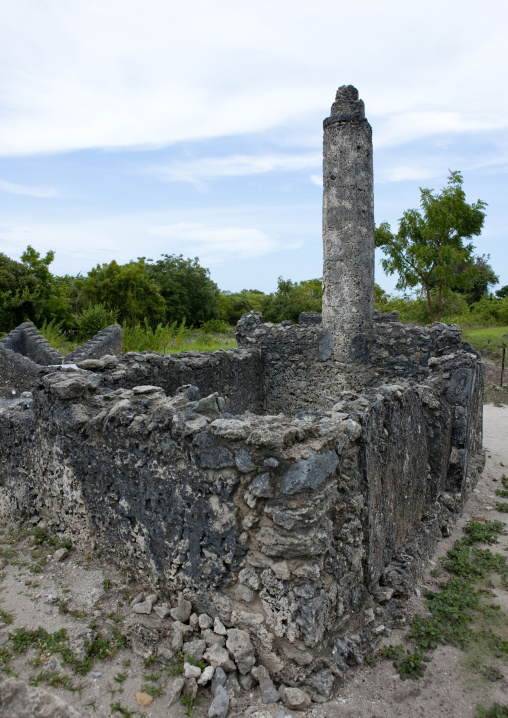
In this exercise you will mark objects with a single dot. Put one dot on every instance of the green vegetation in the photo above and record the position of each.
(504, 491)
(462, 612)
(488, 340)
(188, 702)
(48, 643)
(411, 666)
(428, 251)
(118, 708)
(172, 305)
(495, 711)
(6, 617)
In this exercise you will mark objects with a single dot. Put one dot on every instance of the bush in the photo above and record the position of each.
(94, 318)
(215, 325)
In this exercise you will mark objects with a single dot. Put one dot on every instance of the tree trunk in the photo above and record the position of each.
(440, 301)
(427, 290)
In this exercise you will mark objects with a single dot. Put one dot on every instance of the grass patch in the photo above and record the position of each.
(152, 690)
(462, 612)
(188, 702)
(175, 338)
(55, 680)
(49, 643)
(6, 617)
(118, 708)
(504, 491)
(41, 537)
(482, 531)
(487, 340)
(495, 711)
(496, 395)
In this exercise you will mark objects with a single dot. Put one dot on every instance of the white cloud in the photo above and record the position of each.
(218, 244)
(81, 244)
(127, 73)
(30, 191)
(205, 168)
(317, 180)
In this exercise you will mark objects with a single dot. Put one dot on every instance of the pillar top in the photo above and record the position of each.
(347, 102)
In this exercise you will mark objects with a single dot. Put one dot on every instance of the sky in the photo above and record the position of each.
(134, 128)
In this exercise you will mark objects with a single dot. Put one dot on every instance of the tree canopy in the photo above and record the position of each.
(432, 243)
(127, 288)
(186, 287)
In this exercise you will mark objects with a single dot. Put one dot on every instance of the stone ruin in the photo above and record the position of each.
(293, 487)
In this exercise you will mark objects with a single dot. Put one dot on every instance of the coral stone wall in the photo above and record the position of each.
(306, 529)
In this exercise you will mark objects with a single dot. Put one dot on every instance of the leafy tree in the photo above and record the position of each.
(233, 304)
(480, 277)
(292, 298)
(503, 292)
(19, 292)
(188, 291)
(429, 245)
(127, 288)
(28, 291)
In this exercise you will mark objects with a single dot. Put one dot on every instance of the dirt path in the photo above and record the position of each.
(36, 596)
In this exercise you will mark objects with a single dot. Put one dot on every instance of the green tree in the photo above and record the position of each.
(480, 277)
(292, 298)
(127, 288)
(19, 293)
(188, 291)
(28, 291)
(233, 304)
(503, 292)
(430, 244)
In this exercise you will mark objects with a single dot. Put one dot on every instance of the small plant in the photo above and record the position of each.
(482, 531)
(55, 680)
(94, 318)
(392, 653)
(63, 607)
(151, 659)
(502, 506)
(107, 583)
(154, 677)
(412, 666)
(495, 711)
(118, 708)
(126, 663)
(6, 617)
(154, 691)
(120, 677)
(188, 703)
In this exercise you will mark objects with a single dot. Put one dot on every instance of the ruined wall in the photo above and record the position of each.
(304, 530)
(300, 371)
(293, 487)
(28, 342)
(236, 374)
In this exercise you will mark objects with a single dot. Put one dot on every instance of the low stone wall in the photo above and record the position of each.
(107, 341)
(28, 342)
(305, 530)
(299, 371)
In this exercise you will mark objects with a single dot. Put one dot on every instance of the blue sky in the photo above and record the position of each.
(132, 128)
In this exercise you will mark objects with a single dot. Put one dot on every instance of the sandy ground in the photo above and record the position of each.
(448, 688)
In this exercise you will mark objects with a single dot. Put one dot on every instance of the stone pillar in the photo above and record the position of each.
(348, 227)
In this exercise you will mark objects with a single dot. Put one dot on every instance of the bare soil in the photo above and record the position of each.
(450, 687)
